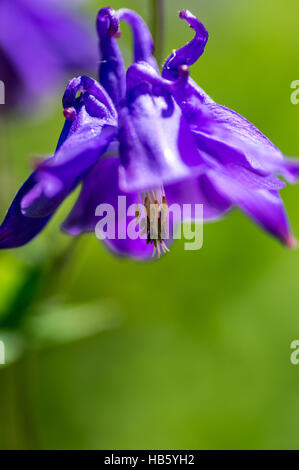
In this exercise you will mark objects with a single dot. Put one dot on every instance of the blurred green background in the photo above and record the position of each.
(192, 351)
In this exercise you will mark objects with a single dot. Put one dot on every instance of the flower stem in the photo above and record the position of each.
(18, 432)
(158, 27)
(58, 266)
(41, 282)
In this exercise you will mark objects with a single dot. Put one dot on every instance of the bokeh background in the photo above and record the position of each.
(192, 351)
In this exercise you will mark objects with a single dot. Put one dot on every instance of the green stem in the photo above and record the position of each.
(158, 27)
(40, 283)
(17, 431)
(57, 268)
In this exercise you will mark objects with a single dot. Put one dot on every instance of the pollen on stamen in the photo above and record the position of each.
(155, 223)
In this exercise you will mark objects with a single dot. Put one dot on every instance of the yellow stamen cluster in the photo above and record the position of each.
(155, 222)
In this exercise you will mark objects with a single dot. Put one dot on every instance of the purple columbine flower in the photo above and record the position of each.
(156, 159)
(40, 41)
(154, 138)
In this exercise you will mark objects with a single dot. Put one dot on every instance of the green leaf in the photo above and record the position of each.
(58, 323)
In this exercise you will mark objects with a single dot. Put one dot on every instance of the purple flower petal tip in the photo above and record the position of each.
(291, 242)
(194, 23)
(184, 14)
